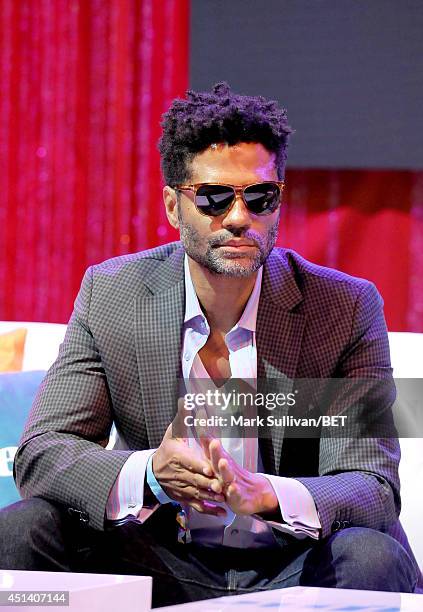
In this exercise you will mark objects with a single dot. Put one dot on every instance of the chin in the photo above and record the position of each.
(236, 269)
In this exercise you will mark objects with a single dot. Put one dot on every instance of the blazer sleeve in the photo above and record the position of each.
(358, 483)
(61, 455)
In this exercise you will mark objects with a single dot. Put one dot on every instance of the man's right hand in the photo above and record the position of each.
(187, 476)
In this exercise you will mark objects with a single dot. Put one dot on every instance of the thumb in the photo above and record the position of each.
(204, 443)
(168, 433)
(178, 427)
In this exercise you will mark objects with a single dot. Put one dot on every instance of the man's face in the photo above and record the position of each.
(204, 238)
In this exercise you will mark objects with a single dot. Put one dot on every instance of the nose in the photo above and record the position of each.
(238, 217)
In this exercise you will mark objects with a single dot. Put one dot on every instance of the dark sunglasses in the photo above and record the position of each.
(214, 199)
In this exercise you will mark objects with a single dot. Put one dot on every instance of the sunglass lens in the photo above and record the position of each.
(214, 199)
(263, 198)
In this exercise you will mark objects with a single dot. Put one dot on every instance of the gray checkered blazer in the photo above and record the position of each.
(120, 362)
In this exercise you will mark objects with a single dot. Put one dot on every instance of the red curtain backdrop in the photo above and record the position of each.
(83, 86)
(367, 223)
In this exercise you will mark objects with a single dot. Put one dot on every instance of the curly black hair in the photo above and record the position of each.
(193, 124)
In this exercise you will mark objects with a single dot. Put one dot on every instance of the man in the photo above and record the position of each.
(213, 516)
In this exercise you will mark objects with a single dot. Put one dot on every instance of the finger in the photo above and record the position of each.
(192, 462)
(168, 433)
(189, 492)
(202, 431)
(233, 490)
(197, 462)
(205, 446)
(225, 471)
(207, 495)
(205, 443)
(212, 484)
(207, 508)
(217, 452)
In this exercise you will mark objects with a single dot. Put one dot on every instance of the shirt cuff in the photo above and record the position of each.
(297, 508)
(126, 497)
(152, 482)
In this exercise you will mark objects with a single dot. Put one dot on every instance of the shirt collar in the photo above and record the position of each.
(248, 318)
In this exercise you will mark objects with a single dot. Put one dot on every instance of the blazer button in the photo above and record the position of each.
(82, 516)
(336, 525)
(346, 524)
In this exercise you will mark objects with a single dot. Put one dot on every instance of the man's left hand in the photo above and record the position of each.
(245, 492)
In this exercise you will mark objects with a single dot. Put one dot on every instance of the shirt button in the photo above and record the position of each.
(186, 356)
(234, 532)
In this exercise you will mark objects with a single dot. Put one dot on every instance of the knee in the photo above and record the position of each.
(371, 549)
(22, 521)
(28, 513)
(371, 560)
(31, 535)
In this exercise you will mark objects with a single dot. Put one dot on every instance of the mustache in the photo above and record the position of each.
(225, 237)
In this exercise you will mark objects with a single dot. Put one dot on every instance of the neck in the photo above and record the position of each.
(222, 298)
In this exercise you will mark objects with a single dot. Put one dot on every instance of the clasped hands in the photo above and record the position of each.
(202, 479)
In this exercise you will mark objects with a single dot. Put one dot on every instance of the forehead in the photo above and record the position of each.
(237, 164)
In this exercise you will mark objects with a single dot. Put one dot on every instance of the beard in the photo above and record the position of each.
(205, 252)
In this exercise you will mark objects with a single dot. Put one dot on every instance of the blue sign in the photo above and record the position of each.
(17, 392)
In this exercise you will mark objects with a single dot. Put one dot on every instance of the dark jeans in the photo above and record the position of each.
(38, 535)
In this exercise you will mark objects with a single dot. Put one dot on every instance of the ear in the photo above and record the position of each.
(170, 200)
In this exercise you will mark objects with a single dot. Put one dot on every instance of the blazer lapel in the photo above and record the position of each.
(159, 314)
(279, 337)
